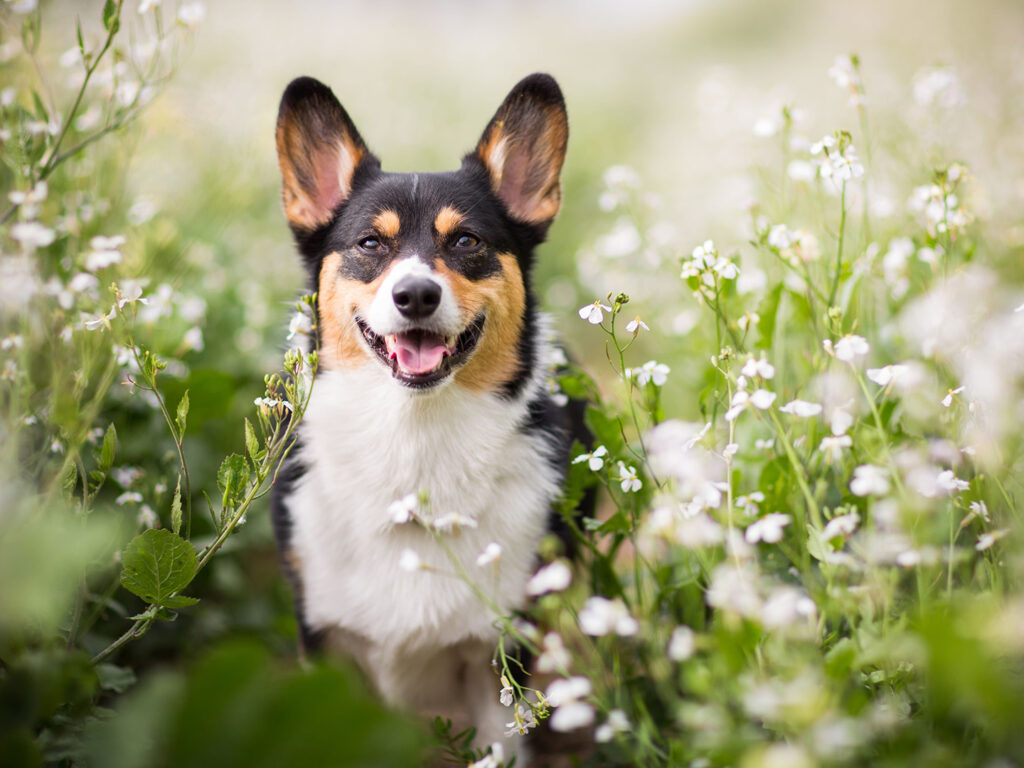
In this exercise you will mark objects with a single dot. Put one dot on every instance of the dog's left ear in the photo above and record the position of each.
(523, 148)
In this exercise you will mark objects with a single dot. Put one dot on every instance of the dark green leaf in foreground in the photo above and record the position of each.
(156, 565)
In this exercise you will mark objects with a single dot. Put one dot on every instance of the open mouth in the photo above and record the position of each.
(419, 358)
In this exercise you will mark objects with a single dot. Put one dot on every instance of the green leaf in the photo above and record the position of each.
(157, 564)
(111, 16)
(768, 311)
(180, 601)
(252, 445)
(182, 417)
(232, 477)
(78, 32)
(176, 508)
(41, 112)
(115, 678)
(69, 479)
(606, 430)
(108, 449)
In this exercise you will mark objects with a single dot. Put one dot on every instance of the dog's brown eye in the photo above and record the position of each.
(370, 244)
(467, 241)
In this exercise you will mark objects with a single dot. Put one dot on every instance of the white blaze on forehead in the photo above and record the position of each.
(384, 317)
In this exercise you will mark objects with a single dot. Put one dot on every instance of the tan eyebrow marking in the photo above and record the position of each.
(387, 223)
(447, 220)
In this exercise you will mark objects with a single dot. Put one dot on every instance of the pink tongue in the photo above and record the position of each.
(419, 352)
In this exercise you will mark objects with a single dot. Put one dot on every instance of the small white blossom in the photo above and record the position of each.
(566, 696)
(523, 722)
(833, 445)
(404, 509)
(300, 323)
(553, 577)
(650, 371)
(683, 644)
(128, 497)
(851, 347)
(754, 367)
(600, 616)
(617, 722)
(947, 401)
(730, 450)
(768, 529)
(949, 482)
(491, 554)
(592, 312)
(841, 526)
(869, 480)
(408, 560)
(32, 234)
(840, 421)
(452, 522)
(147, 518)
(594, 459)
(628, 479)
(192, 14)
(634, 325)
(762, 399)
(554, 656)
(989, 538)
(801, 408)
(506, 694)
(979, 509)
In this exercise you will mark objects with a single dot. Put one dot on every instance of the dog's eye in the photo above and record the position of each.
(371, 244)
(467, 241)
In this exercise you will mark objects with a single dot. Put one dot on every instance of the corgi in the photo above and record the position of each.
(432, 381)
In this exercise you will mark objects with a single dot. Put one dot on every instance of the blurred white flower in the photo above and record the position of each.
(451, 522)
(758, 367)
(554, 656)
(682, 644)
(989, 538)
(949, 482)
(617, 722)
(300, 323)
(768, 529)
(762, 399)
(404, 509)
(947, 401)
(786, 606)
(408, 560)
(32, 235)
(801, 408)
(491, 554)
(851, 347)
(939, 86)
(869, 480)
(553, 577)
(565, 696)
(600, 616)
(147, 518)
(734, 589)
(650, 371)
(192, 14)
(832, 447)
(841, 526)
(634, 325)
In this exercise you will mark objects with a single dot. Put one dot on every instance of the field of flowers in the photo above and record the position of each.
(805, 368)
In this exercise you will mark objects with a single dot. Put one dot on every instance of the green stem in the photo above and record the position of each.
(839, 249)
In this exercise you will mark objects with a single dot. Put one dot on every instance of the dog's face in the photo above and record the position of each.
(425, 274)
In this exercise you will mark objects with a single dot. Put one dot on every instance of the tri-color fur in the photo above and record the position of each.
(432, 379)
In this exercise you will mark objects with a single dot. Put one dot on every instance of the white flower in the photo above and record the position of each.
(268, 404)
(408, 560)
(780, 237)
(833, 446)
(634, 325)
(404, 509)
(147, 518)
(979, 509)
(99, 321)
(840, 421)
(842, 525)
(947, 401)
(650, 371)
(192, 14)
(601, 616)
(869, 480)
(452, 521)
(989, 538)
(592, 312)
(850, 347)
(565, 690)
(765, 127)
(762, 399)
(300, 323)
(506, 694)
(949, 482)
(571, 716)
(887, 375)
(554, 656)
(730, 450)
(128, 497)
(785, 606)
(801, 408)
(754, 368)
(682, 644)
(768, 529)
(493, 759)
(617, 722)
(193, 339)
(146, 5)
(629, 480)
(594, 459)
(748, 319)
(523, 722)
(130, 292)
(491, 554)
(843, 72)
(553, 577)
(32, 234)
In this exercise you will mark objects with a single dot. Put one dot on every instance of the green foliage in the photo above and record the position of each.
(156, 565)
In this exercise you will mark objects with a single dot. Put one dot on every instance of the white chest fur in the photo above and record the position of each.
(366, 443)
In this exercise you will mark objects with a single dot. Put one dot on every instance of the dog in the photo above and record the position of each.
(432, 384)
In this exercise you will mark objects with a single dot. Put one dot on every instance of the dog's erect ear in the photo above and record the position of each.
(523, 148)
(318, 151)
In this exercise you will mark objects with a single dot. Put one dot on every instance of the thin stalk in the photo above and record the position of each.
(839, 249)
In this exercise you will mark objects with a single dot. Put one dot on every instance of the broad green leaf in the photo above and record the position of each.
(182, 416)
(176, 508)
(180, 601)
(115, 678)
(232, 477)
(156, 564)
(108, 449)
(606, 430)
(111, 17)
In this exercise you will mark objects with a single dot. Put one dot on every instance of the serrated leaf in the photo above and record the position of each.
(181, 419)
(108, 449)
(232, 477)
(176, 508)
(115, 678)
(156, 564)
(252, 445)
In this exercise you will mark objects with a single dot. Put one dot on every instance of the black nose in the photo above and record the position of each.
(416, 297)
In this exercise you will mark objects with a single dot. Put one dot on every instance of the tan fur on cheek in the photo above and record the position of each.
(339, 300)
(503, 299)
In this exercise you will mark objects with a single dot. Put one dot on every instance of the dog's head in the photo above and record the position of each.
(425, 274)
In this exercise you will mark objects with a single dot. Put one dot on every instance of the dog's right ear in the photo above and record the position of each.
(318, 151)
